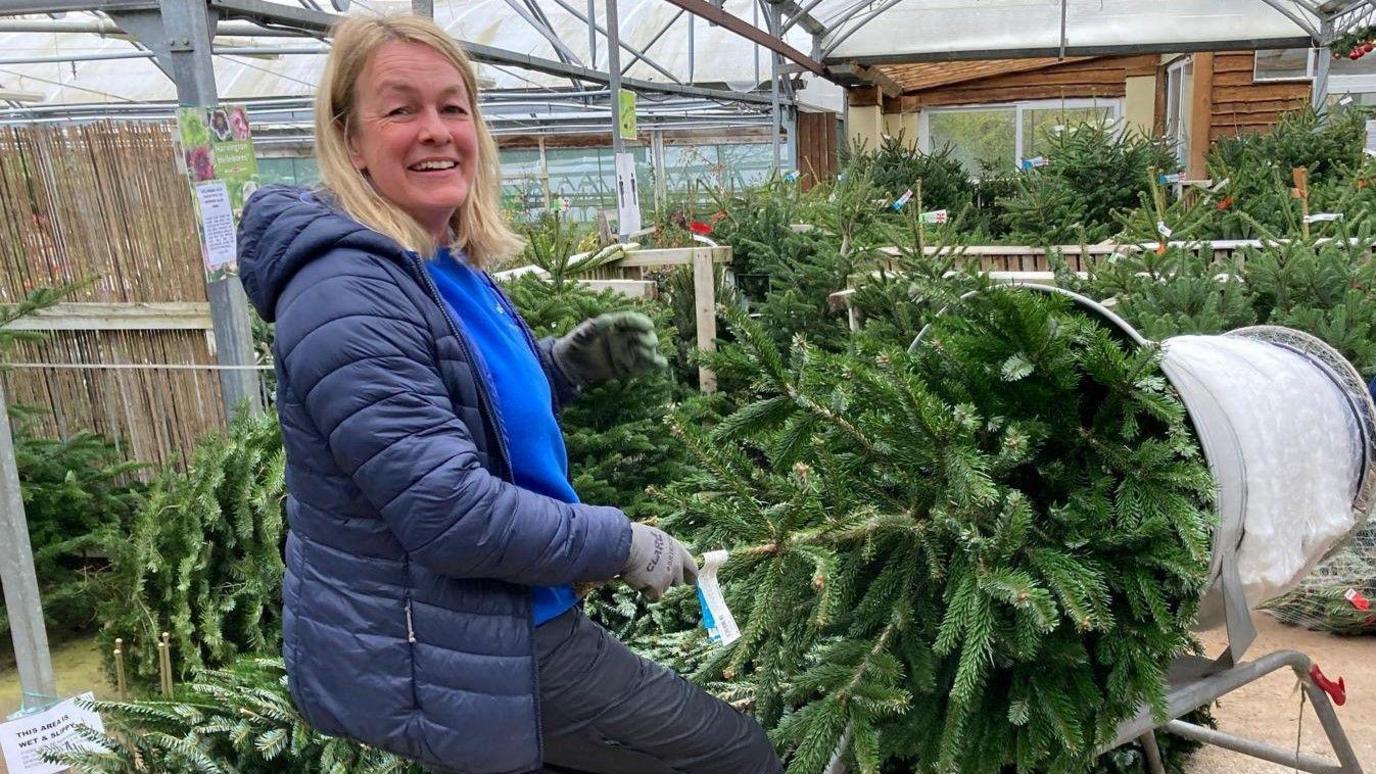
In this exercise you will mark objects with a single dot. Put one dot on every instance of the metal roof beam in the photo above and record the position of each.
(799, 15)
(561, 48)
(494, 55)
(1286, 8)
(1053, 51)
(750, 32)
(21, 7)
(276, 15)
(837, 39)
(575, 13)
(653, 41)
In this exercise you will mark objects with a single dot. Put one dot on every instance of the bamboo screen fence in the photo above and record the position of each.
(104, 205)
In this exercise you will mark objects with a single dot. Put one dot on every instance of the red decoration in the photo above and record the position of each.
(1336, 691)
(1224, 203)
(699, 228)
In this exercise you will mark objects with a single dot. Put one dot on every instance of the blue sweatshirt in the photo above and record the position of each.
(520, 391)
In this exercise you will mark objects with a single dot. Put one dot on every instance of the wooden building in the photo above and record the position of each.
(1186, 97)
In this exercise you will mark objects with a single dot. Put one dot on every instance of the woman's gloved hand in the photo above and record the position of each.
(609, 346)
(657, 562)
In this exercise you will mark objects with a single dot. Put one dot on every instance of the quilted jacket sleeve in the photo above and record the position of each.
(564, 388)
(355, 352)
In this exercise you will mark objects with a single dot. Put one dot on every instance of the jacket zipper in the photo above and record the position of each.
(525, 329)
(429, 284)
(410, 628)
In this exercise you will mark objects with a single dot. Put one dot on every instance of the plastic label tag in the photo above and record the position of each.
(934, 217)
(1163, 229)
(716, 616)
(1322, 217)
(1170, 179)
(1033, 163)
(902, 200)
(1358, 600)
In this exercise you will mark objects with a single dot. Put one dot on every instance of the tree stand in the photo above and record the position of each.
(1189, 693)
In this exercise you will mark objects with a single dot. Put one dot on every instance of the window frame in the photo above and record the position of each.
(1310, 55)
(1114, 104)
(1177, 107)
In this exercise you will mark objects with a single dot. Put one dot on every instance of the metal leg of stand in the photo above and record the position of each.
(1198, 692)
(1153, 753)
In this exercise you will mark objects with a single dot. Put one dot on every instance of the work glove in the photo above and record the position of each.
(609, 346)
(657, 562)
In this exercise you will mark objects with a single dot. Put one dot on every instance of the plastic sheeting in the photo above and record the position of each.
(1286, 450)
(718, 55)
(907, 29)
(915, 29)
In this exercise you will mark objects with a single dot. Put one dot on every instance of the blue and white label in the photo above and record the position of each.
(716, 616)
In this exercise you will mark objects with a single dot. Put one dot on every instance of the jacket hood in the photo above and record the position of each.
(283, 229)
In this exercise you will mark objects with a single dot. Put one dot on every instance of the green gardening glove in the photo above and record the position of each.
(609, 346)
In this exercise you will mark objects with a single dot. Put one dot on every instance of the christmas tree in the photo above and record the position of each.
(977, 555)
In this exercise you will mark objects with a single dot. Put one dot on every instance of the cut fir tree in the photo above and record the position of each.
(978, 556)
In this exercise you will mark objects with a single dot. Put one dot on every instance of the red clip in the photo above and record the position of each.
(1358, 600)
(1336, 691)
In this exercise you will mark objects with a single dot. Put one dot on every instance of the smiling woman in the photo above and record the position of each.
(415, 137)
(434, 531)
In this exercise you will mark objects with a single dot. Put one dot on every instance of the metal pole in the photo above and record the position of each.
(544, 173)
(424, 8)
(661, 181)
(614, 71)
(775, 118)
(791, 137)
(187, 29)
(22, 602)
(592, 34)
(692, 22)
(1321, 65)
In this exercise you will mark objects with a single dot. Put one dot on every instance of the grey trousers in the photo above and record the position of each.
(605, 710)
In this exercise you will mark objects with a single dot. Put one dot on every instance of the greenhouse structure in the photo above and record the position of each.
(1007, 366)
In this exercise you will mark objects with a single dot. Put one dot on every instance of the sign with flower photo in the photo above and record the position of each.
(216, 153)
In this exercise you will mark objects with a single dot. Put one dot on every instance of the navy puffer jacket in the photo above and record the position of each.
(407, 621)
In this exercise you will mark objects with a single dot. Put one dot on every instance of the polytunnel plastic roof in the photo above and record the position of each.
(839, 33)
(719, 56)
(915, 30)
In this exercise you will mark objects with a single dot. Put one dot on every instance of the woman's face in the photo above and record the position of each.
(414, 134)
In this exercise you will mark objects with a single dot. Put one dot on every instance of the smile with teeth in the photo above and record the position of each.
(426, 166)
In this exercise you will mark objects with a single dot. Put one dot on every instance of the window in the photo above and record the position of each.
(981, 139)
(1038, 123)
(997, 138)
(1179, 82)
(1283, 64)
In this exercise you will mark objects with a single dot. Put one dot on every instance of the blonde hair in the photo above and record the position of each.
(478, 225)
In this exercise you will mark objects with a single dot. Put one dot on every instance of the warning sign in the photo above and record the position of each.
(24, 740)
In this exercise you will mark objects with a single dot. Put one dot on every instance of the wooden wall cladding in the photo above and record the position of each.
(1244, 106)
(1099, 77)
(816, 148)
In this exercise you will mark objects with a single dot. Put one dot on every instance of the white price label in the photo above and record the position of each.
(716, 616)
